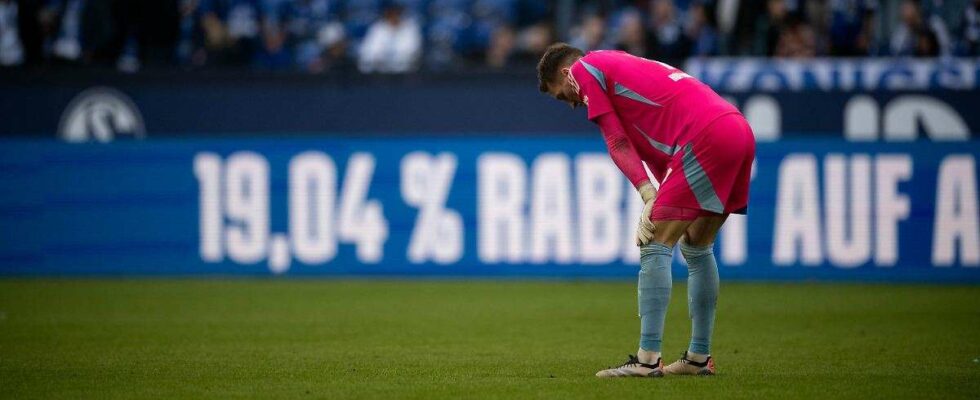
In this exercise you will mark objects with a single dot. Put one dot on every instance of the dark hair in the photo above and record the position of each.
(557, 56)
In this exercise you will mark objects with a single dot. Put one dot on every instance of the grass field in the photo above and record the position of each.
(366, 339)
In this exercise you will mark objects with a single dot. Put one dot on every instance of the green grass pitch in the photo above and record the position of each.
(486, 339)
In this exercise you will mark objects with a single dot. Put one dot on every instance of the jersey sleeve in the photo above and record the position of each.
(592, 84)
(621, 150)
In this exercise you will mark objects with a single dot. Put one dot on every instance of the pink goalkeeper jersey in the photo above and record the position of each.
(660, 107)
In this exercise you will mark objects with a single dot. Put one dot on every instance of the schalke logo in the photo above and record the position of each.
(100, 114)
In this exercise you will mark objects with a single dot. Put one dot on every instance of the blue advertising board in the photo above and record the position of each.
(748, 74)
(488, 206)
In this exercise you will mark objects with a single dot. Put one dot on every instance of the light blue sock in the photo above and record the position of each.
(702, 295)
(653, 293)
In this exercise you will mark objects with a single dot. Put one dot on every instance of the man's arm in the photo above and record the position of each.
(592, 84)
(624, 155)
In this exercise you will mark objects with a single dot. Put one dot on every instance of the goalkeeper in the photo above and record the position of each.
(698, 146)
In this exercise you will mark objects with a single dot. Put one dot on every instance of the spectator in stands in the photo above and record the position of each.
(796, 39)
(493, 30)
(672, 45)
(701, 32)
(101, 32)
(533, 40)
(534, 29)
(232, 30)
(518, 31)
(273, 53)
(445, 37)
(816, 13)
(946, 19)
(358, 16)
(61, 21)
(323, 35)
(775, 25)
(970, 30)
(393, 44)
(591, 34)
(334, 57)
(738, 21)
(116, 33)
(313, 33)
(21, 32)
(927, 44)
(852, 27)
(11, 48)
(917, 36)
(501, 48)
(189, 51)
(939, 28)
(632, 37)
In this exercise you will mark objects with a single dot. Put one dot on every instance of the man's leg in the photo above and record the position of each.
(654, 285)
(702, 293)
(653, 296)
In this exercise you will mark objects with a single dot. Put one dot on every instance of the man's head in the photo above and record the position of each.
(555, 76)
(911, 14)
(392, 12)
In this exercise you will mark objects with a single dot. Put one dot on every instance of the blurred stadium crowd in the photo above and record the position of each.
(395, 36)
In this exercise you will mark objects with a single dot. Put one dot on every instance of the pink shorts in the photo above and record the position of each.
(710, 174)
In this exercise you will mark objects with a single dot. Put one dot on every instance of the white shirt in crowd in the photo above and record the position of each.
(389, 48)
(11, 50)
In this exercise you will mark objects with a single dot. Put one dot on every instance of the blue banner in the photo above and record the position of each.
(504, 206)
(739, 74)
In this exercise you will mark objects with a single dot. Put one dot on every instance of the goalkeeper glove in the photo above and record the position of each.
(644, 231)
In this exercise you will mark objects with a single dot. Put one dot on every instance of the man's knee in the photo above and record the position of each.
(703, 231)
(697, 239)
(668, 232)
(692, 251)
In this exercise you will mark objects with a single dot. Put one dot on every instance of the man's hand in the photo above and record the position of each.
(644, 231)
